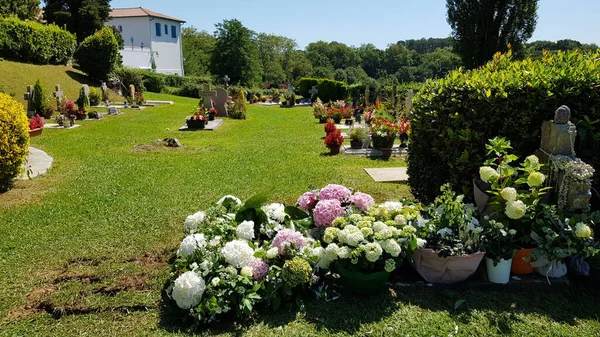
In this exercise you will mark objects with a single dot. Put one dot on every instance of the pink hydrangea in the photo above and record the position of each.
(260, 268)
(326, 211)
(362, 201)
(285, 238)
(335, 192)
(307, 201)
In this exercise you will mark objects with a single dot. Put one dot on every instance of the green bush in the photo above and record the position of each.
(30, 41)
(179, 81)
(129, 76)
(14, 140)
(98, 54)
(329, 90)
(454, 117)
(95, 96)
(153, 82)
(39, 98)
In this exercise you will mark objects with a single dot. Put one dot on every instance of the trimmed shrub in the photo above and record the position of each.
(329, 90)
(128, 76)
(98, 54)
(153, 82)
(454, 117)
(39, 98)
(95, 96)
(31, 41)
(14, 140)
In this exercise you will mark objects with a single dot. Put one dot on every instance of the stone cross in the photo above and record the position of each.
(207, 95)
(29, 98)
(58, 94)
(220, 101)
(104, 91)
(226, 80)
(313, 91)
(132, 90)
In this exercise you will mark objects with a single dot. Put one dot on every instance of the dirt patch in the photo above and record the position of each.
(133, 283)
(83, 278)
(147, 148)
(88, 261)
(153, 261)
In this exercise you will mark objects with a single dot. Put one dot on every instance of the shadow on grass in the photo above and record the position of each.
(81, 78)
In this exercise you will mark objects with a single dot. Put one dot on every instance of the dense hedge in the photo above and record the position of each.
(153, 82)
(98, 54)
(14, 140)
(455, 116)
(30, 41)
(329, 90)
(129, 76)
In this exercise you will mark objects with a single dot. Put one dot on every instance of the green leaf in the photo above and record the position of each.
(299, 302)
(458, 303)
(488, 93)
(276, 303)
(296, 213)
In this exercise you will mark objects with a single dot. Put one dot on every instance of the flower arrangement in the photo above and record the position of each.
(199, 115)
(403, 125)
(68, 107)
(369, 114)
(497, 240)
(139, 98)
(212, 111)
(319, 110)
(225, 266)
(383, 129)
(515, 192)
(347, 112)
(334, 139)
(329, 126)
(36, 122)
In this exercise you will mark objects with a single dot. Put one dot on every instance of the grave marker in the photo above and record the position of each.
(314, 91)
(409, 98)
(226, 80)
(220, 101)
(28, 96)
(58, 94)
(132, 90)
(207, 96)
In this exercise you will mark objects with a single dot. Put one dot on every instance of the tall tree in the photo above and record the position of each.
(198, 47)
(23, 9)
(274, 53)
(81, 17)
(481, 28)
(236, 54)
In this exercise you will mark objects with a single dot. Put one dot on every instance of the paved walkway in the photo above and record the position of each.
(390, 174)
(38, 163)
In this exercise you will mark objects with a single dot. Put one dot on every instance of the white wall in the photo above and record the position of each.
(169, 59)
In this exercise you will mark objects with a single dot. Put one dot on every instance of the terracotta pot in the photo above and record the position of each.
(35, 132)
(448, 270)
(520, 266)
(334, 149)
(362, 283)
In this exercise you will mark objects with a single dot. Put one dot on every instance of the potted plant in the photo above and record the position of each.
(358, 137)
(212, 113)
(329, 127)
(558, 239)
(48, 108)
(68, 114)
(383, 133)
(347, 115)
(514, 196)
(403, 130)
(276, 96)
(320, 111)
(139, 99)
(369, 113)
(36, 125)
(499, 244)
(336, 115)
(450, 252)
(197, 120)
(334, 141)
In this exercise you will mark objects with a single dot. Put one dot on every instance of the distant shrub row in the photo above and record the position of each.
(30, 41)
(329, 90)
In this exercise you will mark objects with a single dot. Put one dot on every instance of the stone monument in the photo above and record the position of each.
(570, 178)
(409, 98)
(220, 102)
(59, 94)
(207, 96)
(28, 96)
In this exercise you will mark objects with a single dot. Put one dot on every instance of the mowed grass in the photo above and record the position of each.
(84, 249)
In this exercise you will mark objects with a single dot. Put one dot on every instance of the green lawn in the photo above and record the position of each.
(84, 249)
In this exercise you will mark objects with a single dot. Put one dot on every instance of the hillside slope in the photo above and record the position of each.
(15, 77)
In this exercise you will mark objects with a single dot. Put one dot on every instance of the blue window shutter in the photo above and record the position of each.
(174, 32)
(158, 27)
(166, 30)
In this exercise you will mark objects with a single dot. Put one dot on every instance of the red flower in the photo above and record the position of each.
(330, 126)
(335, 138)
(36, 122)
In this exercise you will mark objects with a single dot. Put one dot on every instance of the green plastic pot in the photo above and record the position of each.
(362, 283)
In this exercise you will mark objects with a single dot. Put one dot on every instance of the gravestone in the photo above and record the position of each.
(220, 102)
(570, 177)
(207, 96)
(28, 96)
(104, 90)
(132, 91)
(409, 98)
(226, 79)
(313, 92)
(85, 89)
(367, 93)
(59, 94)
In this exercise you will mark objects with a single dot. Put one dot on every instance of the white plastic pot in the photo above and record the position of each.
(499, 273)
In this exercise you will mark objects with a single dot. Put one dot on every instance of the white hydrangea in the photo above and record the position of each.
(400, 219)
(237, 200)
(533, 159)
(372, 251)
(215, 241)
(445, 232)
(272, 253)
(351, 235)
(344, 252)
(328, 255)
(190, 243)
(421, 242)
(238, 253)
(246, 271)
(191, 222)
(583, 231)
(392, 205)
(509, 194)
(275, 212)
(536, 179)
(512, 231)
(391, 247)
(188, 290)
(488, 174)
(215, 281)
(245, 230)
(421, 222)
(515, 209)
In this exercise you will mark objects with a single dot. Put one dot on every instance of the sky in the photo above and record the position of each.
(355, 22)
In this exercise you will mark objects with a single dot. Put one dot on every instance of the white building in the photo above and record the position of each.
(149, 37)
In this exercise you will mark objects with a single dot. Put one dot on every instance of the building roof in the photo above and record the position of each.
(139, 12)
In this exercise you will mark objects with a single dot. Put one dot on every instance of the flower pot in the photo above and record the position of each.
(383, 144)
(356, 144)
(322, 120)
(348, 121)
(403, 139)
(553, 269)
(35, 132)
(211, 117)
(337, 120)
(362, 283)
(479, 193)
(448, 270)
(500, 273)
(80, 117)
(195, 124)
(333, 149)
(519, 265)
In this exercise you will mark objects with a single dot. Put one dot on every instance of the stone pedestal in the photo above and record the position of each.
(558, 139)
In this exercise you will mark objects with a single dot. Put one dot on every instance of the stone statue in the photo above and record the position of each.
(562, 115)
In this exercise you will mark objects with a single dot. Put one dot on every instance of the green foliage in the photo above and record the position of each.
(275, 53)
(23, 9)
(83, 101)
(81, 17)
(198, 47)
(34, 42)
(235, 53)
(14, 140)
(129, 76)
(95, 96)
(329, 90)
(153, 82)
(454, 117)
(239, 107)
(39, 98)
(98, 54)
(480, 29)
